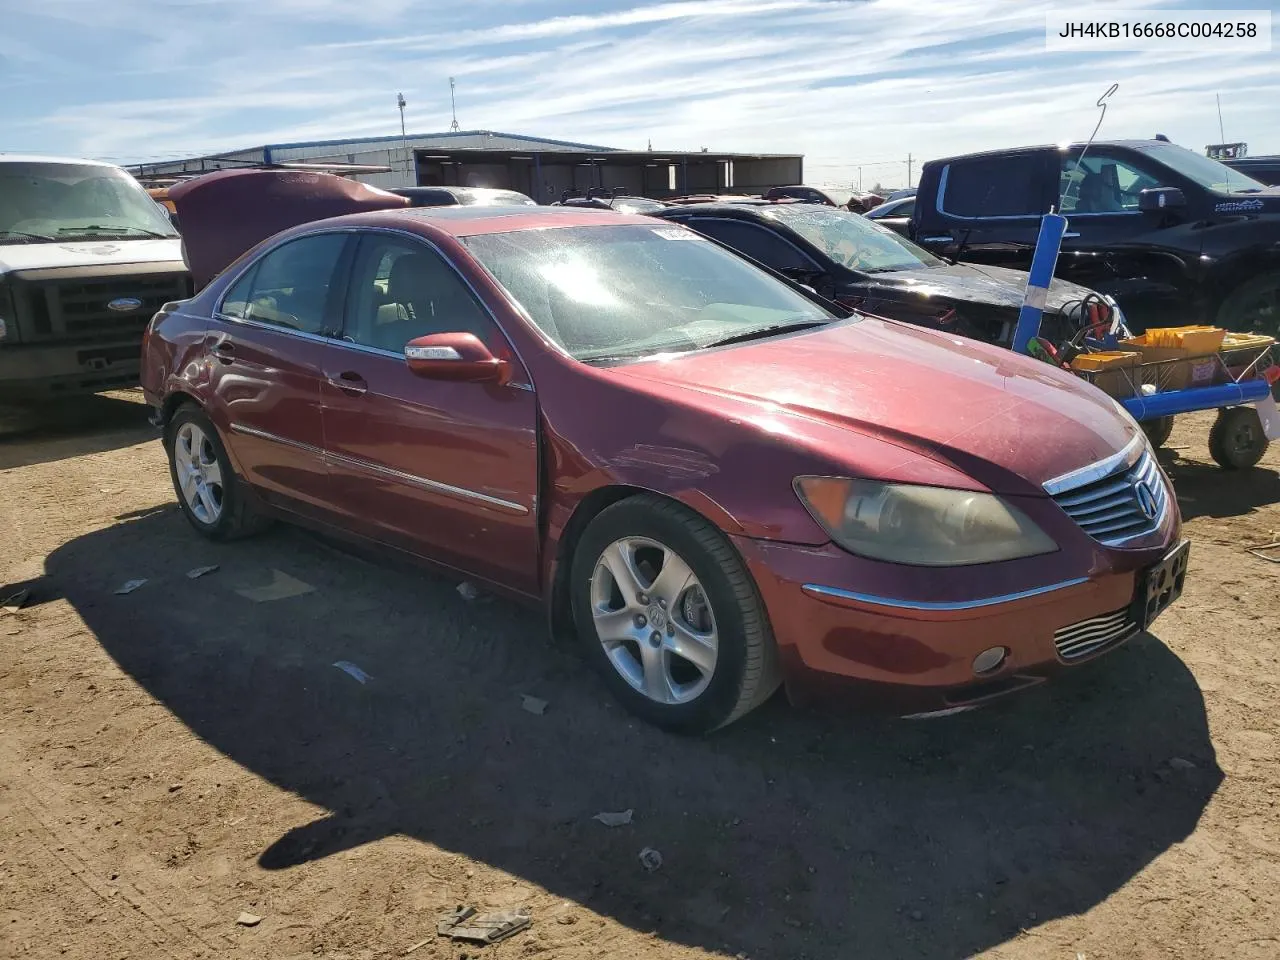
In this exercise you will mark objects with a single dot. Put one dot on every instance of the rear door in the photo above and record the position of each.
(267, 346)
(988, 207)
(448, 471)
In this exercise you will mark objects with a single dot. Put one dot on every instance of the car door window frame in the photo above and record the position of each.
(939, 200)
(427, 244)
(807, 259)
(337, 292)
(1105, 154)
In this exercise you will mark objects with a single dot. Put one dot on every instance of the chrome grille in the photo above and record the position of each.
(1096, 633)
(52, 305)
(1118, 502)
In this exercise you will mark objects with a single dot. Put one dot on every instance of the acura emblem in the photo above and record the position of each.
(124, 304)
(1146, 500)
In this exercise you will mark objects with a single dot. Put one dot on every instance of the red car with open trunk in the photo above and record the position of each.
(715, 479)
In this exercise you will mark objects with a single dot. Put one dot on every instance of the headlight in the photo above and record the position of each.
(922, 526)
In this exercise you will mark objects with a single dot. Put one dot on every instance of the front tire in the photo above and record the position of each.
(670, 617)
(1237, 440)
(1253, 307)
(210, 494)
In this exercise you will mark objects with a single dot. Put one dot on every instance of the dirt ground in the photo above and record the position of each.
(179, 755)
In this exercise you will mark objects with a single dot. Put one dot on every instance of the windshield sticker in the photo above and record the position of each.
(677, 233)
(1238, 206)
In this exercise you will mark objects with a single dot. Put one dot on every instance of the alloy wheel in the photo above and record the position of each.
(654, 621)
(199, 473)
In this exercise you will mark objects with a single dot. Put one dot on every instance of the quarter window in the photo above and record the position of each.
(403, 290)
(995, 187)
(290, 287)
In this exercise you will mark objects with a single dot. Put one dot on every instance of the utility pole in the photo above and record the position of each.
(1222, 135)
(453, 101)
(859, 178)
(404, 142)
(908, 171)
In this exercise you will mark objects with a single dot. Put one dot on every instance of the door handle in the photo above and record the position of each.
(1070, 236)
(349, 382)
(225, 351)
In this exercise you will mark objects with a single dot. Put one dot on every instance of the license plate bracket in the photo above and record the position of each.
(1160, 585)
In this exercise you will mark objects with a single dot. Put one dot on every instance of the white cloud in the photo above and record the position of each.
(847, 83)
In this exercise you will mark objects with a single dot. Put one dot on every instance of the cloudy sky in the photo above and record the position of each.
(847, 82)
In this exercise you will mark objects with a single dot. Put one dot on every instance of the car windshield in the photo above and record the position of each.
(630, 291)
(1209, 174)
(41, 202)
(637, 205)
(853, 240)
(494, 198)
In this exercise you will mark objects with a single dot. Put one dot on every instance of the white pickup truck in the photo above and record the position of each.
(86, 258)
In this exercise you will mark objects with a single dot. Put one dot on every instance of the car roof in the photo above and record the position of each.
(474, 221)
(747, 210)
(1133, 144)
(41, 158)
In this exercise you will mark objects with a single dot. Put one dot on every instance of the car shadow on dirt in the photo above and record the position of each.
(1206, 490)
(789, 834)
(72, 427)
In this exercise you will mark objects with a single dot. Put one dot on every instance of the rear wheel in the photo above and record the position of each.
(1253, 307)
(1236, 440)
(670, 617)
(209, 492)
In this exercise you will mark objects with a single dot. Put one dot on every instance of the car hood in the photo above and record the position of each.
(1009, 422)
(966, 283)
(224, 214)
(38, 256)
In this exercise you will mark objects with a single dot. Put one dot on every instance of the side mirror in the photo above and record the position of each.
(459, 357)
(1159, 199)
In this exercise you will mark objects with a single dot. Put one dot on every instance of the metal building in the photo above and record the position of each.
(544, 169)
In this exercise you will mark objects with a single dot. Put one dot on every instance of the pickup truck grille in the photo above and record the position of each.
(1125, 503)
(71, 306)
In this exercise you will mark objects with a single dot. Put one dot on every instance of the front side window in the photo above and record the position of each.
(629, 291)
(852, 240)
(291, 286)
(401, 290)
(44, 202)
(994, 187)
(1102, 184)
(755, 241)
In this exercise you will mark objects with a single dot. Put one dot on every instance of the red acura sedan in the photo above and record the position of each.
(713, 479)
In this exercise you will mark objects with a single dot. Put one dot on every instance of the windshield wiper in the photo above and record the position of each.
(1248, 190)
(99, 228)
(770, 331)
(38, 237)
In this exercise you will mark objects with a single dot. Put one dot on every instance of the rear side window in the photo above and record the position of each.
(756, 242)
(291, 286)
(994, 187)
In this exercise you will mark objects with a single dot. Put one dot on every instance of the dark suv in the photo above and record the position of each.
(1175, 237)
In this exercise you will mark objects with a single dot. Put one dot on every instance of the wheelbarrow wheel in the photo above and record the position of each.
(1158, 431)
(1237, 441)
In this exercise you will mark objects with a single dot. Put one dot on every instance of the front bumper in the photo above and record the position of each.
(40, 371)
(909, 656)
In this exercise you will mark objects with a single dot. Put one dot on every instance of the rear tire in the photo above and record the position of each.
(677, 579)
(1253, 307)
(1236, 440)
(1158, 431)
(211, 495)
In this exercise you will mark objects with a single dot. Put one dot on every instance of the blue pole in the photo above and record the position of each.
(1043, 261)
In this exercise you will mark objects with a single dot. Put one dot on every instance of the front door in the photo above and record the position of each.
(446, 470)
(1147, 260)
(267, 347)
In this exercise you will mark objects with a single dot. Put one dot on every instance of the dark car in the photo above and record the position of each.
(710, 476)
(608, 200)
(828, 196)
(462, 197)
(856, 262)
(1263, 169)
(894, 214)
(1175, 237)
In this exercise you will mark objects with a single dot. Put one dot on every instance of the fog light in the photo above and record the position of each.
(989, 660)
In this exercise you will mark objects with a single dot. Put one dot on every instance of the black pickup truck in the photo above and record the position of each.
(1175, 237)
